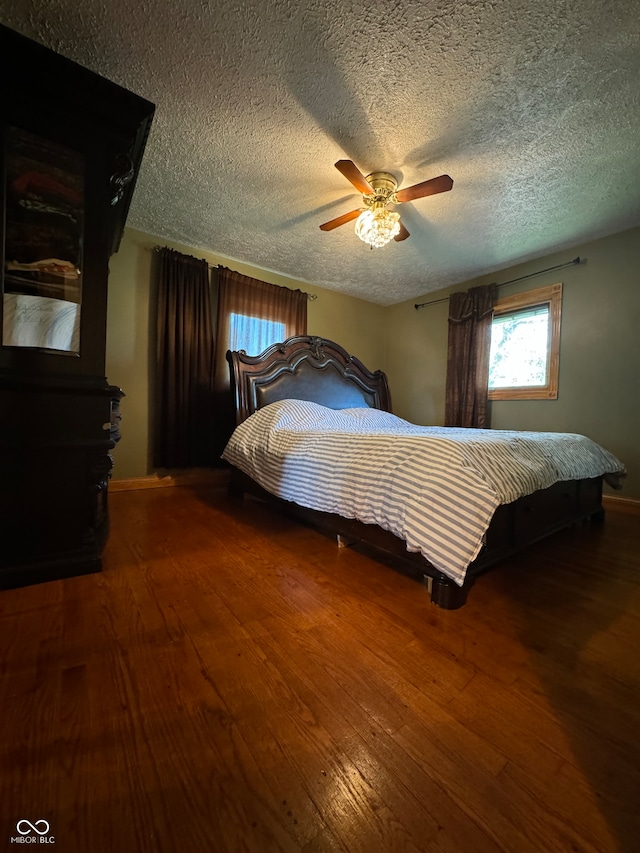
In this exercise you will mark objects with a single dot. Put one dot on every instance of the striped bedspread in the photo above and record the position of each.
(435, 487)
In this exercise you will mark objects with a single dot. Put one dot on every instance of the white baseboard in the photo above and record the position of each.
(218, 477)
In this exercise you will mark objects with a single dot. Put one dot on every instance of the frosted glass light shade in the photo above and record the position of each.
(377, 226)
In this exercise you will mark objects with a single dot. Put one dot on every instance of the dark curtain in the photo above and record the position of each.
(470, 314)
(241, 294)
(184, 367)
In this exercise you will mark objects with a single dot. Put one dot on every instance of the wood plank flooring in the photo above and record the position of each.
(232, 681)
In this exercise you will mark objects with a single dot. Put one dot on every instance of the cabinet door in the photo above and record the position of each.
(55, 260)
(71, 144)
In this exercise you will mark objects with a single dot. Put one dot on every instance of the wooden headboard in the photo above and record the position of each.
(305, 368)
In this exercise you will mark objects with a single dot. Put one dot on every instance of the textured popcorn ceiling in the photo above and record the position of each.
(533, 108)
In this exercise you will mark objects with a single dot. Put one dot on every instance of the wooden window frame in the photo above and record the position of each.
(551, 296)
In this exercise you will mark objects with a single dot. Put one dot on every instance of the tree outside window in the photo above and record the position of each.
(525, 345)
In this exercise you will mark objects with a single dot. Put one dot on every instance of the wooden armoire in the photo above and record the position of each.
(72, 143)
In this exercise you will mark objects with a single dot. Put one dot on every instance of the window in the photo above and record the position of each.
(525, 345)
(253, 334)
(251, 315)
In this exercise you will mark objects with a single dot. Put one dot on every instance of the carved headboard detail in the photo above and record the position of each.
(305, 368)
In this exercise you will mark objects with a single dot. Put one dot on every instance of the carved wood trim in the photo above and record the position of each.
(307, 358)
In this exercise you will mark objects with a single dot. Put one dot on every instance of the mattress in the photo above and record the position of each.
(436, 488)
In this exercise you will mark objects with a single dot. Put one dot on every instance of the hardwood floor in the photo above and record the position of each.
(232, 681)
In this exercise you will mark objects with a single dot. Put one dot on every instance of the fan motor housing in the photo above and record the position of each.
(382, 183)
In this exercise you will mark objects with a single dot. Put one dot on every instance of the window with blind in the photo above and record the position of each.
(251, 316)
(254, 334)
(525, 345)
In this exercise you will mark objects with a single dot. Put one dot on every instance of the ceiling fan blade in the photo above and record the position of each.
(340, 220)
(436, 185)
(402, 235)
(351, 172)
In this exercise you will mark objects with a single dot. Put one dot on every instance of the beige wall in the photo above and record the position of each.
(599, 382)
(354, 323)
(599, 354)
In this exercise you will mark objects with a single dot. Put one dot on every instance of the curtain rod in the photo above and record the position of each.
(310, 296)
(511, 281)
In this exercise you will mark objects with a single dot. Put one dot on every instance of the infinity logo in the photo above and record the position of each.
(32, 827)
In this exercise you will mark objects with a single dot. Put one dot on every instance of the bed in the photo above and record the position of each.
(312, 397)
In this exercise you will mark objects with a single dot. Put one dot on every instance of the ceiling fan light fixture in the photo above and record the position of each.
(377, 226)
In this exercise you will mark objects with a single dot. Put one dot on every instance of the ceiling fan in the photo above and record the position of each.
(376, 224)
